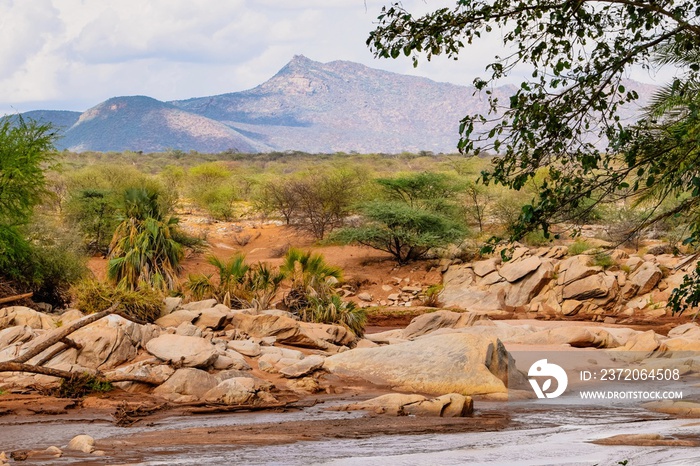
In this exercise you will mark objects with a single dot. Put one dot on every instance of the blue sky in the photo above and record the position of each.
(73, 54)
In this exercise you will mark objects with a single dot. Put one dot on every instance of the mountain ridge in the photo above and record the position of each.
(309, 106)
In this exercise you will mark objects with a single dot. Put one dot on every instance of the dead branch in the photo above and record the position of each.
(12, 366)
(19, 364)
(9, 299)
(63, 332)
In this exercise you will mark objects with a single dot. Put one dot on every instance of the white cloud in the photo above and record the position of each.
(76, 53)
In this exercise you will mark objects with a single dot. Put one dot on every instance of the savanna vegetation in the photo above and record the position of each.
(126, 207)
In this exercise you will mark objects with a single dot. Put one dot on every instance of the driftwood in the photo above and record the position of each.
(19, 364)
(9, 299)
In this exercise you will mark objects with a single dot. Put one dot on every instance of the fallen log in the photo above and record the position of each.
(17, 297)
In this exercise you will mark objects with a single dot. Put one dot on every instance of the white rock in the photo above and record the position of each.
(182, 350)
(83, 443)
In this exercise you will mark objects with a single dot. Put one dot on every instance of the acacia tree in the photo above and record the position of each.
(579, 53)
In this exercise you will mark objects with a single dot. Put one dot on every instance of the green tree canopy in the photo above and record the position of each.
(26, 148)
(567, 114)
(405, 232)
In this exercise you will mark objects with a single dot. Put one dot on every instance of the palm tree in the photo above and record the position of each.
(143, 251)
(311, 277)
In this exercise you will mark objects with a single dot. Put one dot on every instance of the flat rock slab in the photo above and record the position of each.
(452, 363)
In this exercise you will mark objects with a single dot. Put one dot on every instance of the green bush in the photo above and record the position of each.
(92, 296)
(536, 239)
(579, 247)
(602, 259)
(333, 310)
(80, 385)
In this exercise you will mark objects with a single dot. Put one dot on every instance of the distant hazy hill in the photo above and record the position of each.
(307, 106)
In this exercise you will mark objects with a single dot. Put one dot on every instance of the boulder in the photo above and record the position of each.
(364, 296)
(399, 404)
(267, 362)
(458, 277)
(593, 286)
(491, 279)
(16, 335)
(144, 369)
(645, 277)
(21, 316)
(187, 329)
(645, 343)
(450, 405)
(214, 319)
(571, 307)
(459, 363)
(233, 391)
(515, 270)
(237, 361)
(522, 292)
(294, 333)
(365, 343)
(176, 318)
(71, 315)
(245, 347)
(304, 367)
(576, 268)
(473, 299)
(183, 351)
(432, 321)
(486, 267)
(83, 443)
(578, 337)
(199, 305)
(391, 404)
(690, 330)
(388, 337)
(170, 304)
(188, 382)
(633, 263)
(282, 352)
(108, 342)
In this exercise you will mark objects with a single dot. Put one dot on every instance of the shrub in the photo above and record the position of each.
(311, 278)
(212, 188)
(536, 238)
(333, 310)
(240, 285)
(92, 296)
(80, 385)
(432, 295)
(602, 259)
(143, 251)
(579, 247)
(200, 286)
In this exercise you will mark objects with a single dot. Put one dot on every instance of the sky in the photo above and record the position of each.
(74, 54)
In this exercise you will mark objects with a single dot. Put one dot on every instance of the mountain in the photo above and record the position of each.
(146, 124)
(308, 106)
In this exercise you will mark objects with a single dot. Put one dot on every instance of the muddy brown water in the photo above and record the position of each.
(500, 433)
